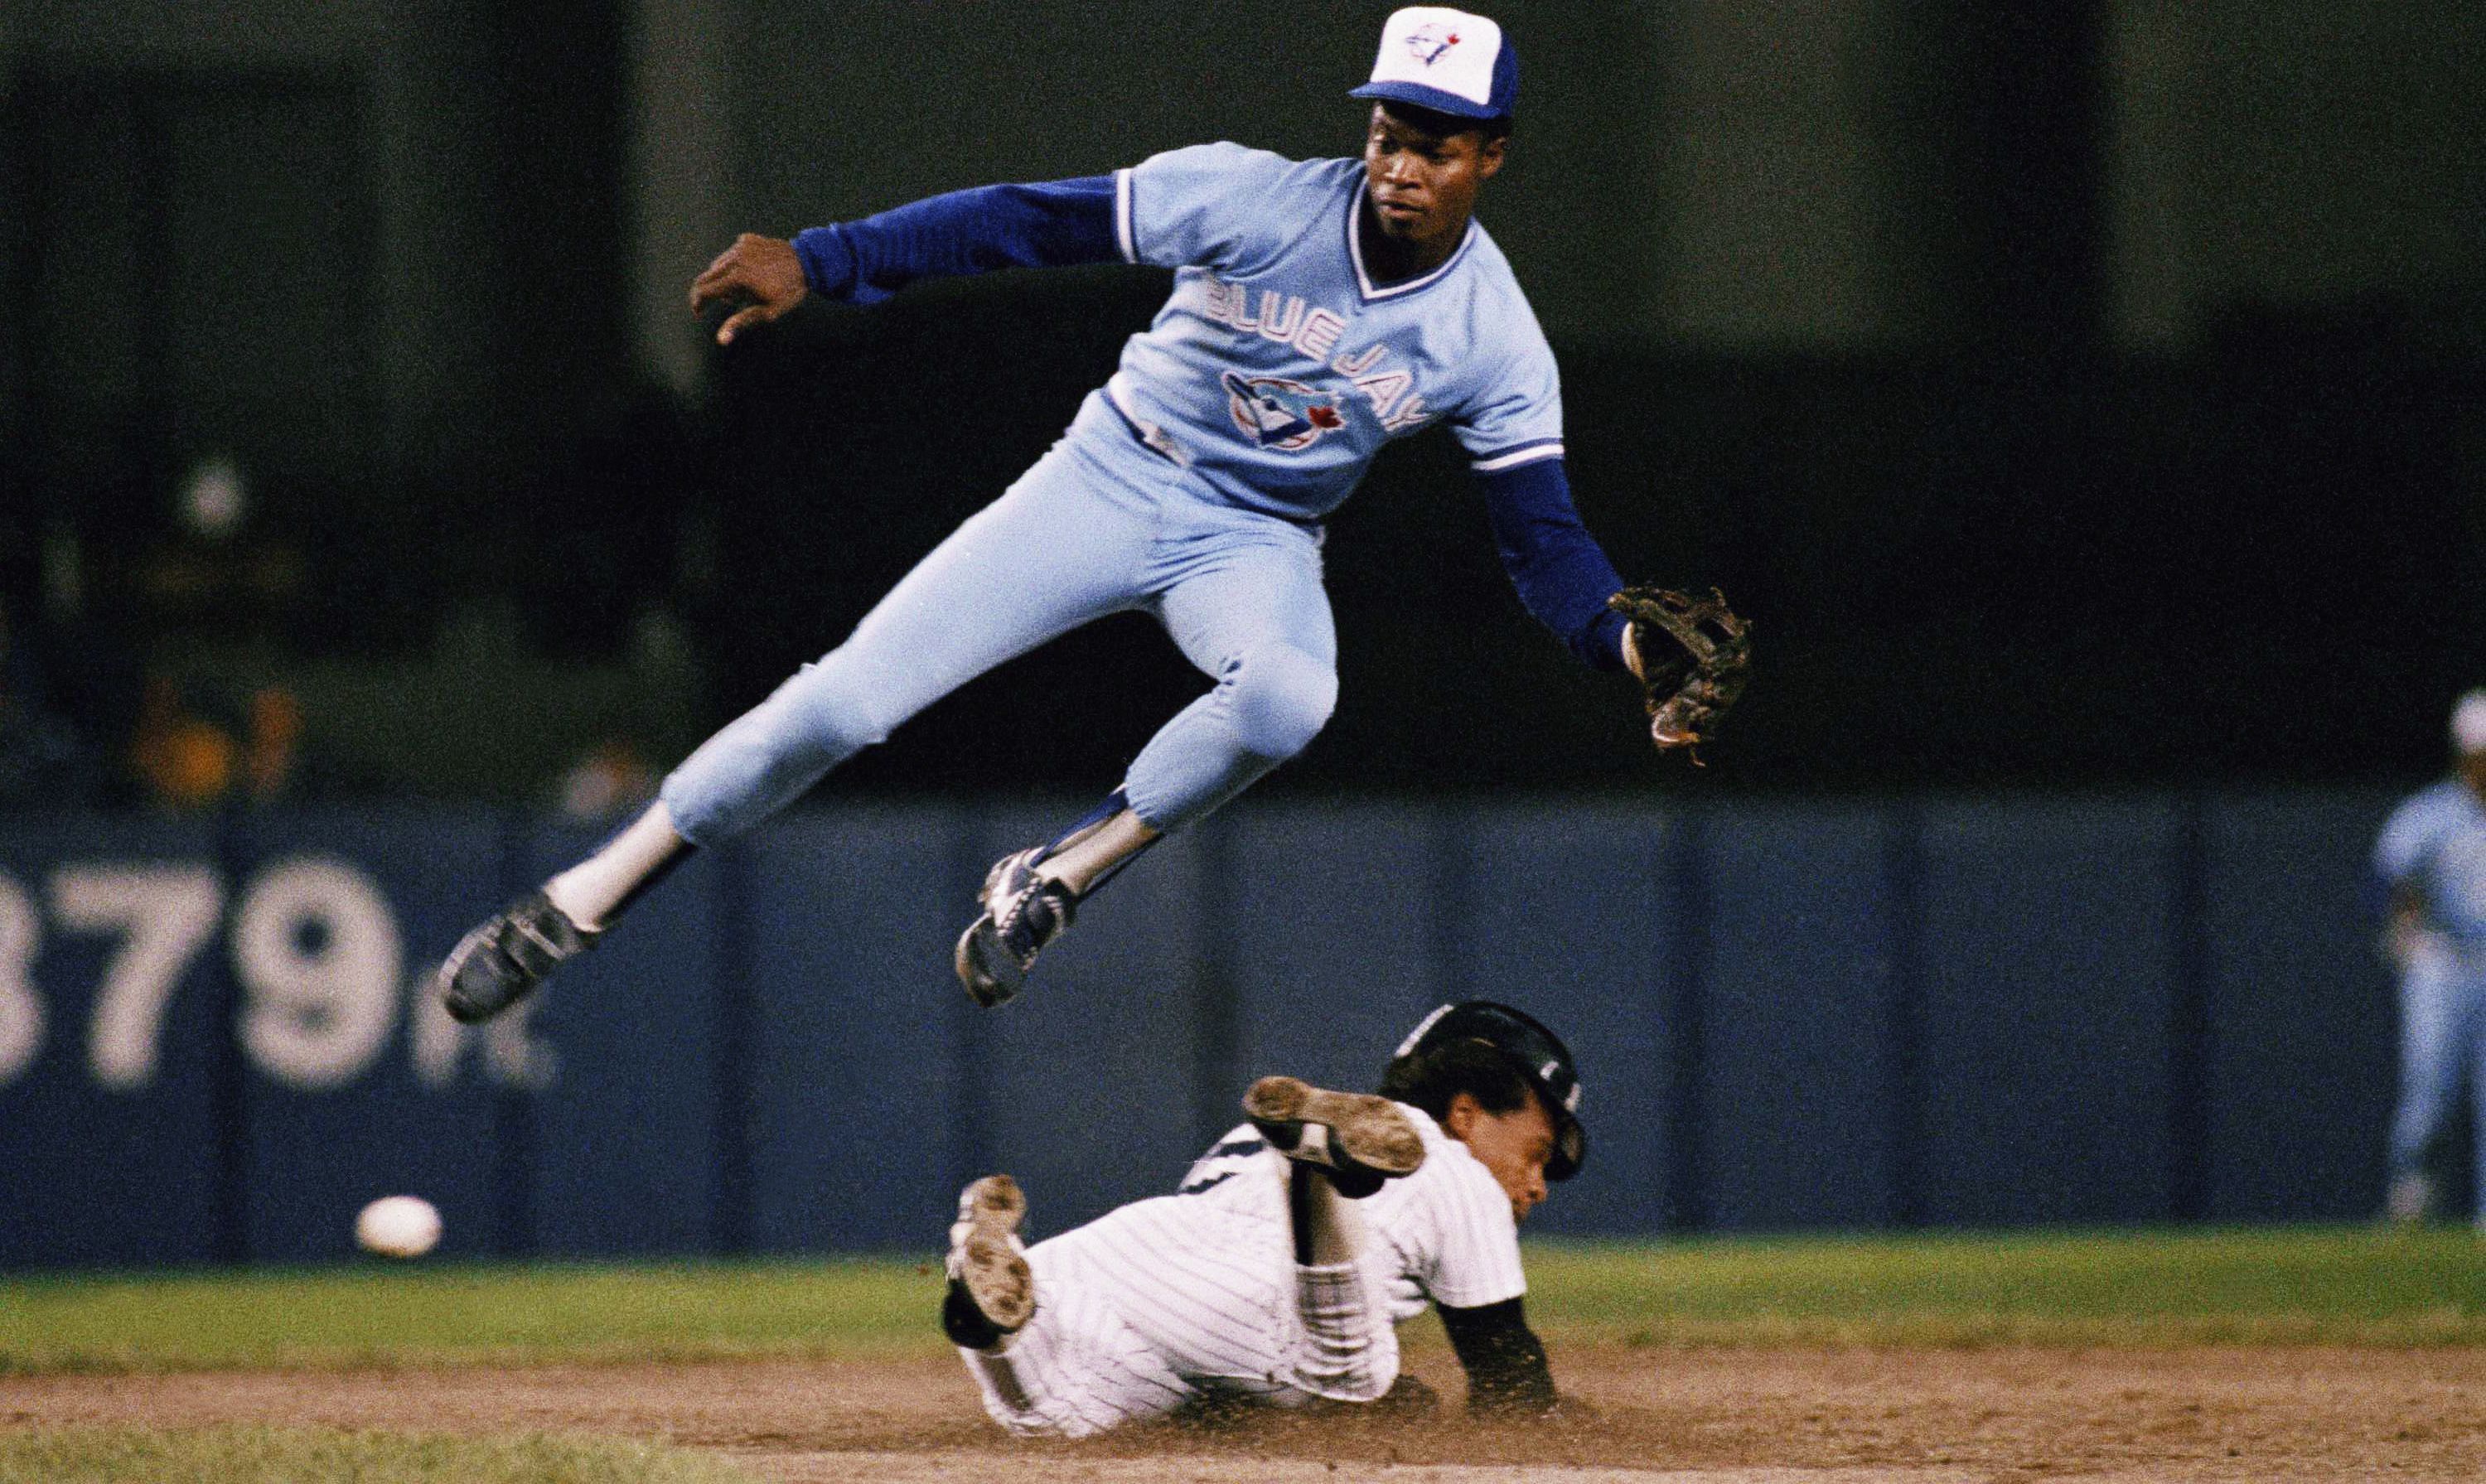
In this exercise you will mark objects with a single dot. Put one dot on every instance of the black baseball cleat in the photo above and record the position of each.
(1359, 1138)
(500, 962)
(1023, 912)
(992, 1290)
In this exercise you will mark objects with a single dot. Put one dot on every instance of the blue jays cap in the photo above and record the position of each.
(1444, 60)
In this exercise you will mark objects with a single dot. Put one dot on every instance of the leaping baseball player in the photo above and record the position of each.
(1279, 1269)
(1320, 309)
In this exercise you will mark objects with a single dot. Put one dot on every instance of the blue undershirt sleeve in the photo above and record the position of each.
(1561, 574)
(1051, 224)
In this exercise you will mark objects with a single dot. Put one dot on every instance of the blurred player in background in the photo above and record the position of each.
(1320, 309)
(1279, 1269)
(2431, 864)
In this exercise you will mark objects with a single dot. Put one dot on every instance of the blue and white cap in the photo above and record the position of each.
(1444, 60)
(2468, 723)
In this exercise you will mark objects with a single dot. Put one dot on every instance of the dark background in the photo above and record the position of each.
(2073, 395)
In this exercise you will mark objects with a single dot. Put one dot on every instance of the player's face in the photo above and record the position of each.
(1514, 1145)
(1424, 185)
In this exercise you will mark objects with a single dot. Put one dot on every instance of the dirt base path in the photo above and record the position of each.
(1705, 1416)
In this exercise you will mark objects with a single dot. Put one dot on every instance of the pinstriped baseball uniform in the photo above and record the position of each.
(1198, 1292)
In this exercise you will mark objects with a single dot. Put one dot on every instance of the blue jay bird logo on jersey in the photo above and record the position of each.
(1278, 413)
(1429, 41)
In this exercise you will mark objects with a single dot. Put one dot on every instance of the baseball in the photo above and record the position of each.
(399, 1226)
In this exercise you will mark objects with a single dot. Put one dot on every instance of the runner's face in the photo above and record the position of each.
(1514, 1145)
(1424, 185)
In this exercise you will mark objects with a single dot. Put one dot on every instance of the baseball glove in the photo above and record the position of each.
(1693, 655)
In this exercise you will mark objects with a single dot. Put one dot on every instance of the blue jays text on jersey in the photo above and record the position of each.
(1282, 412)
(1278, 367)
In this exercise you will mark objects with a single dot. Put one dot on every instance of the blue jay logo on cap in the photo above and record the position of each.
(1429, 41)
(1453, 62)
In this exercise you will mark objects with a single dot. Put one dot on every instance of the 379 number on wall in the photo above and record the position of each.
(315, 951)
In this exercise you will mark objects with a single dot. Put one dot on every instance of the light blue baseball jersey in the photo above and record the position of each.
(1278, 369)
(2436, 844)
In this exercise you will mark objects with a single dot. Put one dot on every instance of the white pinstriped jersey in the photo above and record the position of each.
(1206, 1276)
(1278, 367)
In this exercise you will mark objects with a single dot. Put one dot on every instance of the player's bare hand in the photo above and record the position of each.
(760, 274)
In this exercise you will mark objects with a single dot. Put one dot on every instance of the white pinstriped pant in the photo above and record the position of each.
(1095, 1357)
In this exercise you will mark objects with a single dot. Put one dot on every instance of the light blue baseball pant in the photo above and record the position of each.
(1091, 529)
(2443, 1037)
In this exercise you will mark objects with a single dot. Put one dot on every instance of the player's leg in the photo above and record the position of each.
(1251, 614)
(2430, 1059)
(1340, 1147)
(1242, 598)
(2468, 994)
(993, 1292)
(1065, 545)
(1050, 1357)
(496, 963)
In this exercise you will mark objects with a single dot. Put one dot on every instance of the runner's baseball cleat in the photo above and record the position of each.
(993, 1292)
(1023, 912)
(500, 962)
(1359, 1138)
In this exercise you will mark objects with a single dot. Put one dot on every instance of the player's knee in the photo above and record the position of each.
(1281, 697)
(830, 709)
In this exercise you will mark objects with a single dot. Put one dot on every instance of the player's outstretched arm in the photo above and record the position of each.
(1561, 572)
(1050, 223)
(763, 273)
(1047, 223)
(1504, 1359)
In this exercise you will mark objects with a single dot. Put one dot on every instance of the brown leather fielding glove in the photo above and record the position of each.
(1693, 656)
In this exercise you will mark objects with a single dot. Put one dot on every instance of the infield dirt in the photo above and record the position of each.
(1723, 1415)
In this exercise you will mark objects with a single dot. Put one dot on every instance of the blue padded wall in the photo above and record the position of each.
(1970, 1011)
(1802, 991)
(146, 1169)
(1563, 914)
(2303, 1061)
(2046, 1009)
(420, 1113)
(624, 1142)
(852, 1026)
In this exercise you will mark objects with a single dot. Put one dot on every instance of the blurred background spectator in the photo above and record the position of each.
(44, 760)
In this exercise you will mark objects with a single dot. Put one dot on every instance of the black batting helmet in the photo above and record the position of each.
(1538, 1052)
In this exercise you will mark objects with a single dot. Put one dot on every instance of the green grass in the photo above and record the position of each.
(372, 1315)
(2356, 1286)
(295, 1455)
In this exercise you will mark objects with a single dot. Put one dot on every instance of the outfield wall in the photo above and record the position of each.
(1942, 1012)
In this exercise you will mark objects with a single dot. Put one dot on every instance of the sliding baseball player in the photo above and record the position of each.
(1280, 1268)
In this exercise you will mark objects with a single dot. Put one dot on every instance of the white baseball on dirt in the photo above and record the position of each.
(399, 1226)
